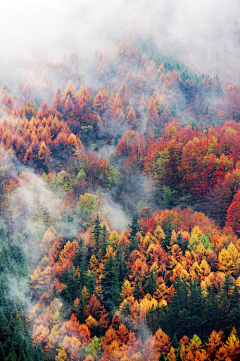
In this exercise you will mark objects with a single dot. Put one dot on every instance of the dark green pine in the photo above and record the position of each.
(211, 310)
(151, 284)
(137, 292)
(18, 254)
(234, 314)
(4, 328)
(195, 308)
(11, 356)
(227, 285)
(18, 336)
(38, 353)
(2, 354)
(97, 231)
(135, 228)
(121, 264)
(104, 238)
(91, 282)
(178, 309)
(175, 342)
(110, 284)
(81, 308)
(179, 357)
(182, 243)
(168, 234)
(72, 281)
(151, 318)
(80, 254)
(162, 357)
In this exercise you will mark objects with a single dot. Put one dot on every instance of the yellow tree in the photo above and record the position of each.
(233, 345)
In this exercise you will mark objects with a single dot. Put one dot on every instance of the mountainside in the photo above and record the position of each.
(119, 206)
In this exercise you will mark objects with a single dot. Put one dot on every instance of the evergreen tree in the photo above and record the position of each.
(162, 357)
(151, 284)
(91, 282)
(194, 307)
(234, 311)
(175, 343)
(97, 231)
(211, 311)
(227, 285)
(110, 285)
(168, 234)
(104, 239)
(2, 354)
(71, 279)
(135, 228)
(121, 264)
(38, 353)
(137, 292)
(178, 309)
(81, 308)
(4, 328)
(178, 358)
(15, 339)
(182, 243)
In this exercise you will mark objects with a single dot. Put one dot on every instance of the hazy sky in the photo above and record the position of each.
(203, 33)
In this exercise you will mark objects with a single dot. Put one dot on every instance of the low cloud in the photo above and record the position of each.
(205, 35)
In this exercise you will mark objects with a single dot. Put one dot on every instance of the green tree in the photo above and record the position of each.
(121, 264)
(135, 228)
(97, 232)
(162, 357)
(110, 285)
(137, 292)
(151, 284)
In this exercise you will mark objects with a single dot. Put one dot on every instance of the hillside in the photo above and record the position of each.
(119, 206)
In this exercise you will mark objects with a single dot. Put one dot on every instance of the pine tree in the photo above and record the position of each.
(135, 228)
(4, 328)
(151, 284)
(162, 357)
(211, 310)
(137, 292)
(97, 231)
(81, 308)
(194, 308)
(168, 234)
(179, 357)
(104, 239)
(72, 281)
(2, 354)
(38, 353)
(175, 343)
(91, 282)
(110, 285)
(234, 311)
(121, 264)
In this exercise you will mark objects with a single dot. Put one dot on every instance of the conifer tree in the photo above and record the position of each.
(121, 264)
(151, 284)
(178, 358)
(175, 342)
(162, 357)
(135, 228)
(110, 284)
(104, 239)
(137, 292)
(97, 231)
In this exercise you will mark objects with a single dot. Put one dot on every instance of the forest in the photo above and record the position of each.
(119, 211)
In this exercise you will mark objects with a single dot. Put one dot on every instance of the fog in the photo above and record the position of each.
(203, 34)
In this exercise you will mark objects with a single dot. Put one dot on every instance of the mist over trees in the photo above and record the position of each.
(119, 206)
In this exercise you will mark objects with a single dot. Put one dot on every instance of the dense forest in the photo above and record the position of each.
(120, 207)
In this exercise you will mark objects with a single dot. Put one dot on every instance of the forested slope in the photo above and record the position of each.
(120, 206)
